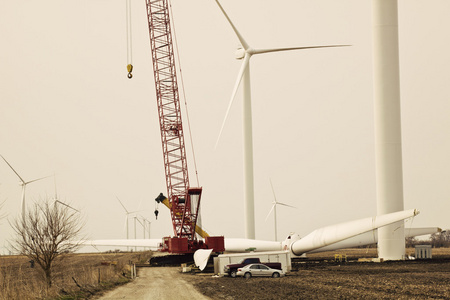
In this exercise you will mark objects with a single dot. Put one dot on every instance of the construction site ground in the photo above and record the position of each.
(321, 277)
(156, 283)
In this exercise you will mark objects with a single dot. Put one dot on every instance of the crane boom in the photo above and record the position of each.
(184, 201)
(168, 98)
(171, 128)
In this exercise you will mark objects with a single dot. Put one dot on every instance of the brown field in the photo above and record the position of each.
(80, 276)
(319, 277)
(76, 276)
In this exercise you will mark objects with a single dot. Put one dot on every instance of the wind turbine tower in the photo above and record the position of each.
(388, 144)
(245, 53)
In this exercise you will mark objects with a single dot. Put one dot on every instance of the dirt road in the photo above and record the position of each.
(156, 283)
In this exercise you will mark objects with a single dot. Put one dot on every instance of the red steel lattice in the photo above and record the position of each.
(183, 212)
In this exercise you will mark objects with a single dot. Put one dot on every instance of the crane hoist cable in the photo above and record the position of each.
(129, 44)
(184, 92)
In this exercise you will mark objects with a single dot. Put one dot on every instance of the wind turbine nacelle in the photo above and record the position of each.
(240, 53)
(291, 238)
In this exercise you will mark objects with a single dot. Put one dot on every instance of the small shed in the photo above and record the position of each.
(283, 257)
(423, 252)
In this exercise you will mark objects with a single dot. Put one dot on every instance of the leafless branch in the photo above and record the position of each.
(43, 234)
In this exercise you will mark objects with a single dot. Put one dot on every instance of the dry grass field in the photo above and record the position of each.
(76, 276)
(320, 277)
(80, 276)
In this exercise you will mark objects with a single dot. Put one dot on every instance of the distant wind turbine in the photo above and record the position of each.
(146, 221)
(127, 213)
(149, 224)
(246, 53)
(22, 183)
(274, 209)
(57, 201)
(142, 224)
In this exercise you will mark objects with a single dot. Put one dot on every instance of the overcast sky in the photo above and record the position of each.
(68, 108)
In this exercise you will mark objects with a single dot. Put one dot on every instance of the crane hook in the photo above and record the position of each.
(130, 69)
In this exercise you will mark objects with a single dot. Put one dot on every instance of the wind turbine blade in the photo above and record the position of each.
(137, 219)
(143, 218)
(122, 205)
(273, 191)
(244, 66)
(286, 205)
(56, 192)
(21, 179)
(273, 206)
(57, 201)
(240, 37)
(276, 202)
(38, 179)
(260, 51)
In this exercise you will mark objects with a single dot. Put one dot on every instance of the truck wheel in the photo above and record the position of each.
(247, 275)
(233, 273)
(276, 275)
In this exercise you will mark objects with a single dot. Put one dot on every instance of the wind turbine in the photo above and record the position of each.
(246, 53)
(57, 201)
(142, 224)
(149, 224)
(274, 209)
(146, 221)
(127, 213)
(22, 183)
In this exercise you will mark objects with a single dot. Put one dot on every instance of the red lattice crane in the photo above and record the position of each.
(182, 200)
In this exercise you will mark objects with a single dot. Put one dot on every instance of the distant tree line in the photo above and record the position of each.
(436, 240)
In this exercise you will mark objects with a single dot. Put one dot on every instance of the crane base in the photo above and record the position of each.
(183, 245)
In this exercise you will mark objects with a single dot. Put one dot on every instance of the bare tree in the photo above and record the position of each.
(446, 237)
(410, 242)
(46, 232)
(440, 239)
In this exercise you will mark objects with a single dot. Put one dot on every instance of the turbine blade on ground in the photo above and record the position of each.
(335, 233)
(21, 179)
(244, 66)
(260, 51)
(240, 37)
